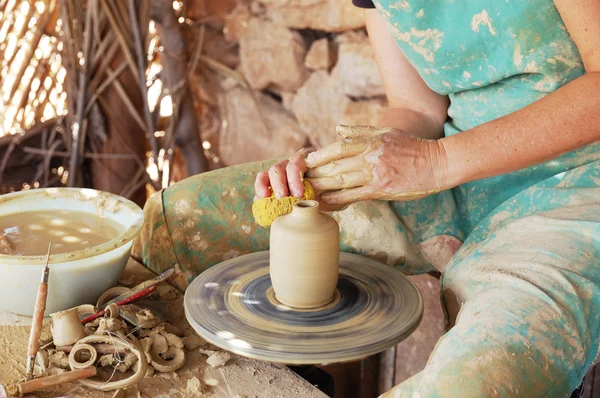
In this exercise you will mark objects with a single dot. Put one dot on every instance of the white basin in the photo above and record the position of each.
(77, 277)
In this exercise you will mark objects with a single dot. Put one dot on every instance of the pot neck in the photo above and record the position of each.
(305, 209)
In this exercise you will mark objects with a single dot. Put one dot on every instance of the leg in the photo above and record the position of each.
(417, 236)
(201, 221)
(525, 292)
(207, 219)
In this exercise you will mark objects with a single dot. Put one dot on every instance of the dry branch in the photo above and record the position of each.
(107, 82)
(184, 126)
(141, 64)
(79, 138)
(6, 157)
(88, 155)
(126, 100)
(30, 51)
(120, 32)
(21, 34)
(111, 37)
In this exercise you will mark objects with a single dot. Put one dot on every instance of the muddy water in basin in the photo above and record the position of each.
(29, 233)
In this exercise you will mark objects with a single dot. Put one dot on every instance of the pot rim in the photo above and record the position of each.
(306, 203)
(127, 235)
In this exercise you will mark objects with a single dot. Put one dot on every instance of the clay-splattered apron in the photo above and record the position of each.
(526, 281)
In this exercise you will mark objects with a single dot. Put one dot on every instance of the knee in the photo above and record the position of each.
(484, 370)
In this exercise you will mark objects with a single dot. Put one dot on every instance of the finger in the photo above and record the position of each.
(295, 170)
(353, 163)
(302, 153)
(349, 195)
(279, 180)
(341, 181)
(335, 151)
(360, 131)
(261, 185)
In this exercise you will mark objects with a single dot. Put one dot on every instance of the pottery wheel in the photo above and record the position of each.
(232, 305)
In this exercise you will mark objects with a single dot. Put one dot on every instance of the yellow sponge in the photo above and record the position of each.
(268, 209)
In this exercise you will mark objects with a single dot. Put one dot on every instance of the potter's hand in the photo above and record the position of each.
(284, 178)
(377, 163)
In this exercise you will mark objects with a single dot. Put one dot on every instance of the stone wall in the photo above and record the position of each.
(297, 68)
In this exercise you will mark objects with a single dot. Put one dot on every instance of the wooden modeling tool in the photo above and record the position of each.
(51, 381)
(26, 387)
(38, 319)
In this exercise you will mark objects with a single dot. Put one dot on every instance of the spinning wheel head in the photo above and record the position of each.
(233, 306)
(272, 298)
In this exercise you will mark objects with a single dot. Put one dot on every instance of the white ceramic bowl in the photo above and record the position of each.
(77, 277)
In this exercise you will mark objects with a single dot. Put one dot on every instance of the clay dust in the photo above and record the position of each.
(238, 377)
(13, 351)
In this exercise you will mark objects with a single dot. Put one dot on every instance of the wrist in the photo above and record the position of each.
(452, 172)
(417, 123)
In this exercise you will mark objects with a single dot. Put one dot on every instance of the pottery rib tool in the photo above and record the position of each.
(142, 286)
(38, 318)
(233, 306)
(127, 300)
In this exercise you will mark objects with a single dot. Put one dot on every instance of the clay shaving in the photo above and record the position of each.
(219, 375)
(5, 246)
(218, 359)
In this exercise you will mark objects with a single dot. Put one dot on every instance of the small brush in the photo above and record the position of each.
(38, 319)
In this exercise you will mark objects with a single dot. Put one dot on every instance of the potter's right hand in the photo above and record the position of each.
(284, 178)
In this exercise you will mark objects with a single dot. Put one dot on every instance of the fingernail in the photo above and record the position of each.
(311, 158)
(279, 194)
(329, 200)
(295, 192)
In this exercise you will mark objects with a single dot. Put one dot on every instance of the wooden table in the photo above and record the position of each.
(239, 378)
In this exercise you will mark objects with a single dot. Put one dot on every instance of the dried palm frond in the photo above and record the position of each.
(66, 65)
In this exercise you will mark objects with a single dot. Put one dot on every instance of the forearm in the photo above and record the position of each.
(412, 122)
(556, 124)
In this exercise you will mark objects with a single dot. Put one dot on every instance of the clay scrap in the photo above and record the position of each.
(218, 359)
(5, 246)
(109, 345)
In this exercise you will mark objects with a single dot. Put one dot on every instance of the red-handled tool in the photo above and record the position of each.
(128, 300)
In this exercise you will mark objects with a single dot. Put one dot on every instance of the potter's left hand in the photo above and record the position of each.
(377, 163)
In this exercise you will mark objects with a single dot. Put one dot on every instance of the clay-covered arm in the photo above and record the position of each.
(560, 122)
(413, 106)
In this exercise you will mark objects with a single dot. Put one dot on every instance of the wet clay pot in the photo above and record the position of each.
(304, 256)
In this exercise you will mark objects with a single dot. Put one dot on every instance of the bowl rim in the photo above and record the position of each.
(120, 240)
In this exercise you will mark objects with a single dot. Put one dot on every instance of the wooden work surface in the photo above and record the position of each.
(239, 378)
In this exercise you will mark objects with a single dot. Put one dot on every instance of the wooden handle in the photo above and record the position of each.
(50, 381)
(38, 319)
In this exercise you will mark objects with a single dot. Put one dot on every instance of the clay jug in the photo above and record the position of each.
(304, 256)
(67, 329)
